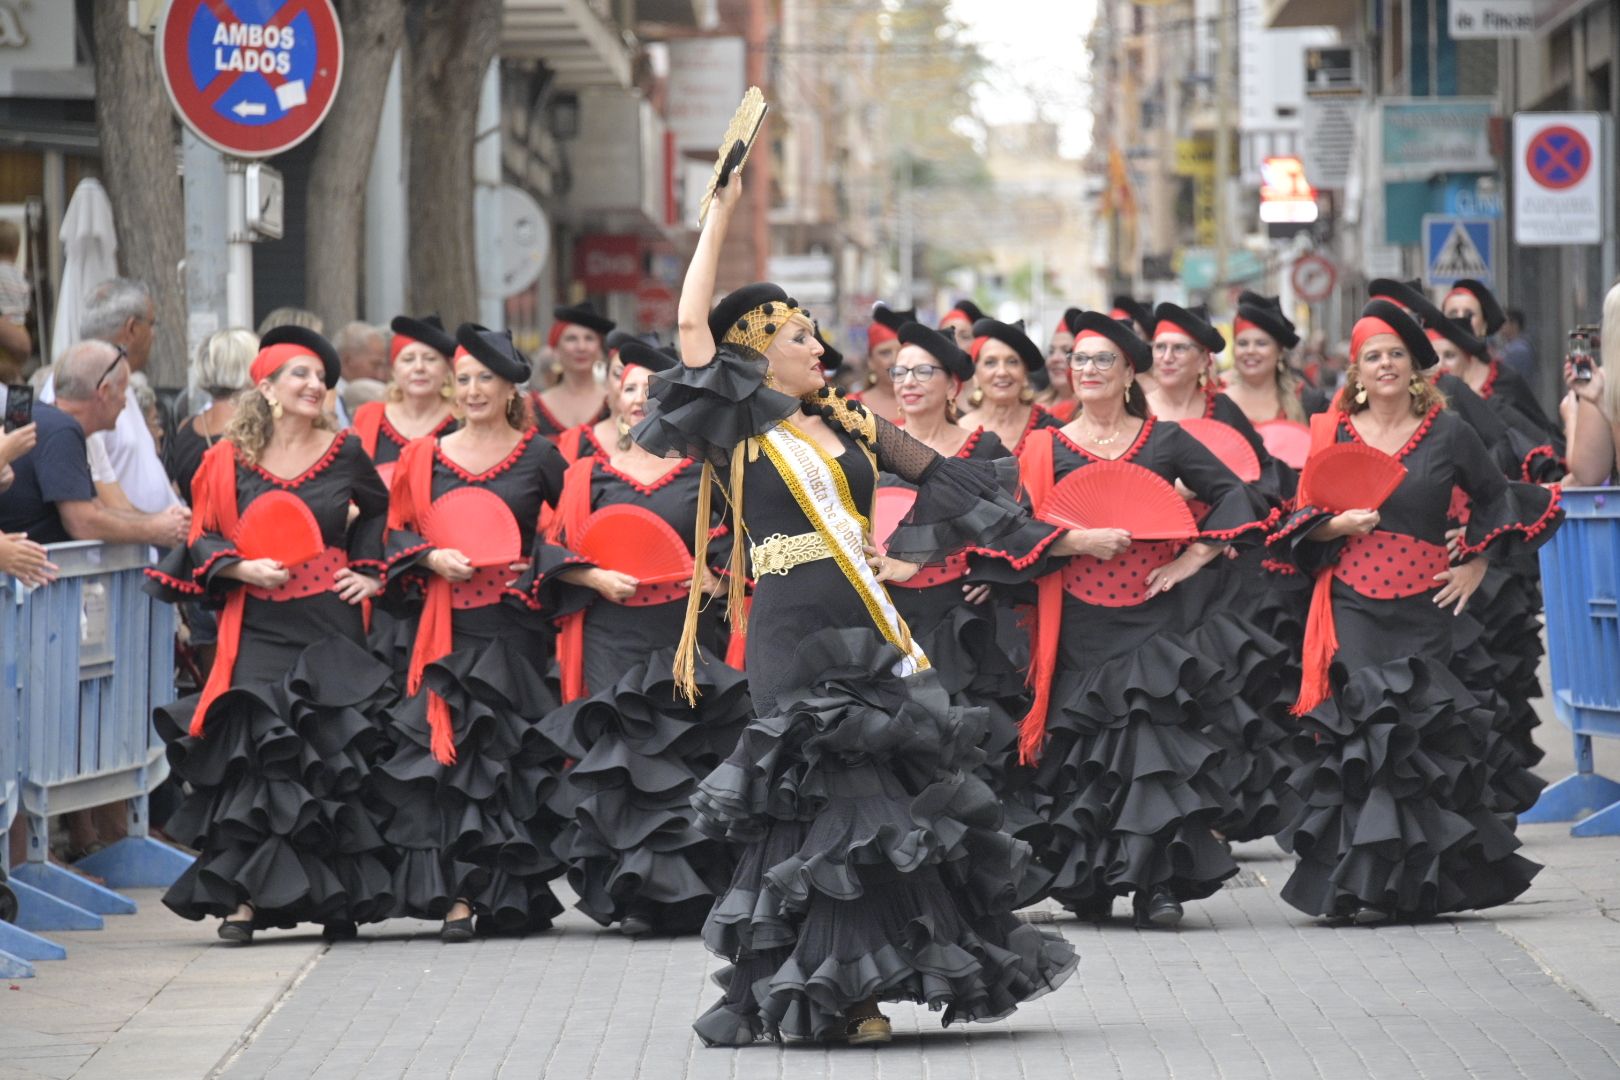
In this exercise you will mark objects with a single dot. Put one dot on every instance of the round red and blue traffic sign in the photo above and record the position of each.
(1558, 157)
(251, 77)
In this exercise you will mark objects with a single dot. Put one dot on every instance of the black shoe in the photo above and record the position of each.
(339, 931)
(637, 922)
(1162, 910)
(239, 932)
(1366, 915)
(1094, 908)
(456, 931)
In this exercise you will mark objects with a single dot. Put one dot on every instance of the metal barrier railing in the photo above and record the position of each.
(1580, 572)
(85, 659)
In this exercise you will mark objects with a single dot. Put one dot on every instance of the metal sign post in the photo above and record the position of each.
(251, 79)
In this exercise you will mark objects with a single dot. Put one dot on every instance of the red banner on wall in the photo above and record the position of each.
(607, 264)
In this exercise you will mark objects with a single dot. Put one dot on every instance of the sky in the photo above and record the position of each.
(1037, 60)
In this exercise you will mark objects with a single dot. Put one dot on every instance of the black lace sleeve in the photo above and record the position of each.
(702, 412)
(961, 502)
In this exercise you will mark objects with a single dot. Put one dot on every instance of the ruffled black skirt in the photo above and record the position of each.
(873, 862)
(1136, 784)
(485, 828)
(1508, 605)
(640, 750)
(1399, 810)
(276, 783)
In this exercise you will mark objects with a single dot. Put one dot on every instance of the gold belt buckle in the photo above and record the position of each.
(779, 553)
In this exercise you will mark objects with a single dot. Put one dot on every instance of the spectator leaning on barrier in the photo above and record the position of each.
(1591, 408)
(21, 557)
(52, 497)
(121, 312)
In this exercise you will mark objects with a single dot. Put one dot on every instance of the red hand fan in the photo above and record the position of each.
(279, 525)
(1349, 476)
(633, 540)
(1120, 495)
(1227, 443)
(893, 504)
(1287, 441)
(476, 522)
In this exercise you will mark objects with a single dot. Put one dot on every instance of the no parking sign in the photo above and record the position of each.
(251, 77)
(1560, 166)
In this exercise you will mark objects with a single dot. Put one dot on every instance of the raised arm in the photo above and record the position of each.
(697, 291)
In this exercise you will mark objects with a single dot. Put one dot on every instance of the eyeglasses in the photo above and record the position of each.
(1102, 361)
(123, 354)
(923, 372)
(1179, 349)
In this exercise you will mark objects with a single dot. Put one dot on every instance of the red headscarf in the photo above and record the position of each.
(877, 334)
(270, 360)
(1367, 327)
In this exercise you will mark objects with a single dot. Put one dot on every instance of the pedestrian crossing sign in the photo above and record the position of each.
(1455, 248)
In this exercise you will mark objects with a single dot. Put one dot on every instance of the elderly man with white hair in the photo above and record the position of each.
(363, 354)
(121, 313)
(51, 497)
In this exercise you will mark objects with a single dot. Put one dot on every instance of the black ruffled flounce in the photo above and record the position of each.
(1508, 605)
(276, 804)
(702, 412)
(632, 843)
(483, 829)
(1398, 812)
(1136, 787)
(874, 862)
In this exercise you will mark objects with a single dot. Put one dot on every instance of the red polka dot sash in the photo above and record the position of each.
(1122, 580)
(1390, 566)
(307, 578)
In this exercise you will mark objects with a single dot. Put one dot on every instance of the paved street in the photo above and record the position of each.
(1248, 989)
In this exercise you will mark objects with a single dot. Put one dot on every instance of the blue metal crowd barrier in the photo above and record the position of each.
(85, 659)
(1579, 571)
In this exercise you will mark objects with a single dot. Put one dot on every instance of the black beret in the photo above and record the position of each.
(1070, 319)
(1406, 328)
(616, 338)
(305, 338)
(429, 331)
(1013, 336)
(968, 308)
(940, 347)
(1266, 312)
(1193, 321)
(739, 302)
(884, 315)
(633, 350)
(1139, 352)
(494, 349)
(1458, 331)
(584, 315)
(1140, 313)
(832, 357)
(1488, 306)
(1408, 294)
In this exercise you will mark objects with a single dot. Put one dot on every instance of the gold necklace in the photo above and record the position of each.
(1098, 440)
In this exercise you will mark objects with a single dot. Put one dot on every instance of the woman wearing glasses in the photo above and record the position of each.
(1130, 662)
(955, 618)
(279, 745)
(1008, 371)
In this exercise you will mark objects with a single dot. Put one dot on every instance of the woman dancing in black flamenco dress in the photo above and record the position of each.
(871, 867)
(278, 747)
(1131, 663)
(470, 790)
(1400, 817)
(633, 851)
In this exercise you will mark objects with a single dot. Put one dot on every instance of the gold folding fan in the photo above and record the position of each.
(744, 128)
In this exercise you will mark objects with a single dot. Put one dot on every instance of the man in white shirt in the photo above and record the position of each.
(121, 312)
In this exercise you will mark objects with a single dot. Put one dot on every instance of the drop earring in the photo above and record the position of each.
(1414, 385)
(976, 398)
(1361, 395)
(624, 434)
(275, 409)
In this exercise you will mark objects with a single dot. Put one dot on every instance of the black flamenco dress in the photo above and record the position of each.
(276, 776)
(1129, 690)
(546, 422)
(390, 630)
(481, 827)
(871, 858)
(961, 642)
(632, 845)
(1258, 752)
(1403, 810)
